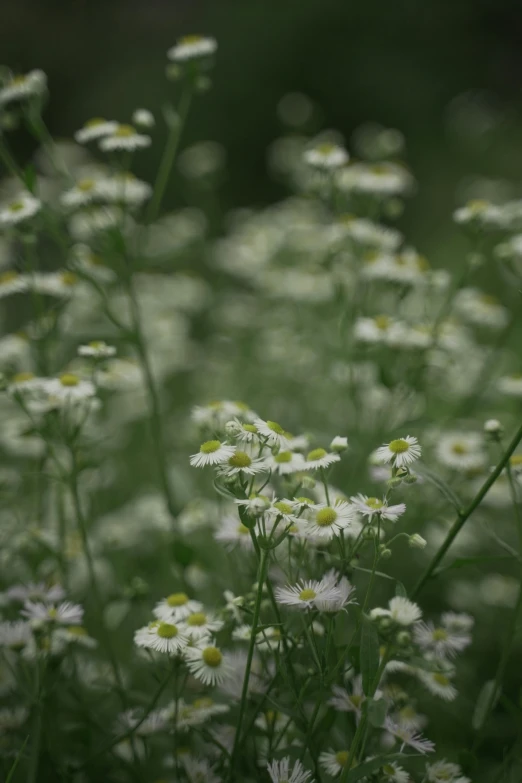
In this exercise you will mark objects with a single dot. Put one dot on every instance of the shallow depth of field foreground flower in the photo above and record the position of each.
(260, 488)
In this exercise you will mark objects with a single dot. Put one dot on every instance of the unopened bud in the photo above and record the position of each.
(385, 553)
(403, 638)
(339, 444)
(416, 541)
(493, 427)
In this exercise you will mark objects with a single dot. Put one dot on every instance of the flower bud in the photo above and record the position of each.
(403, 638)
(385, 553)
(493, 427)
(339, 444)
(416, 541)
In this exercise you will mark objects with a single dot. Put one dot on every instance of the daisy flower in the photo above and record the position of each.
(255, 504)
(199, 770)
(69, 388)
(19, 209)
(176, 607)
(369, 506)
(346, 589)
(407, 737)
(232, 532)
(126, 138)
(438, 683)
(401, 452)
(285, 510)
(456, 622)
(461, 451)
(274, 434)
(339, 443)
(162, 637)
(334, 762)
(192, 47)
(510, 385)
(15, 635)
(285, 462)
(280, 772)
(440, 640)
(326, 156)
(143, 118)
(310, 594)
(207, 663)
(200, 624)
(404, 611)
(242, 431)
(65, 613)
(95, 129)
(241, 463)
(392, 773)
(36, 591)
(22, 86)
(320, 458)
(343, 701)
(324, 521)
(445, 772)
(212, 452)
(97, 349)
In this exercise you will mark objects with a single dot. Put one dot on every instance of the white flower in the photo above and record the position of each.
(285, 510)
(408, 737)
(256, 505)
(176, 607)
(143, 118)
(232, 532)
(457, 622)
(333, 761)
(510, 385)
(241, 463)
(440, 640)
(95, 129)
(309, 594)
(15, 635)
(12, 283)
(124, 188)
(201, 624)
(374, 330)
(274, 434)
(162, 637)
(279, 772)
(445, 772)
(12, 719)
(207, 663)
(241, 431)
(401, 451)
(125, 137)
(339, 443)
(36, 591)
(438, 683)
(346, 589)
(198, 770)
(320, 458)
(343, 701)
(285, 462)
(325, 521)
(461, 451)
(84, 192)
(401, 610)
(212, 452)
(192, 47)
(370, 506)
(97, 349)
(23, 207)
(65, 613)
(326, 156)
(18, 88)
(392, 773)
(481, 309)
(482, 213)
(378, 179)
(68, 388)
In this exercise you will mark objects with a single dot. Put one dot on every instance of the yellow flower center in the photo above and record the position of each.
(8, 276)
(275, 427)
(399, 446)
(382, 322)
(439, 635)
(197, 619)
(326, 517)
(441, 679)
(203, 704)
(284, 508)
(315, 454)
(240, 460)
(325, 148)
(95, 122)
(68, 379)
(85, 185)
(125, 131)
(459, 448)
(77, 630)
(20, 377)
(167, 631)
(374, 503)
(284, 456)
(17, 81)
(177, 599)
(210, 446)
(190, 39)
(250, 428)
(478, 205)
(16, 206)
(68, 278)
(212, 656)
(307, 594)
(342, 758)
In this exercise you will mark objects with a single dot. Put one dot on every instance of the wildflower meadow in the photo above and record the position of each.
(260, 485)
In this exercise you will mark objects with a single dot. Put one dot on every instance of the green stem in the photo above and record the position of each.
(169, 154)
(36, 730)
(464, 515)
(262, 571)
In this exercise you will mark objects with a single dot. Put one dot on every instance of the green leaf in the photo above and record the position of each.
(369, 654)
(369, 767)
(485, 702)
(223, 491)
(376, 709)
(30, 178)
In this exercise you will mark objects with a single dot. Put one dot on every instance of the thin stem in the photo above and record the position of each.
(169, 154)
(262, 570)
(36, 730)
(464, 515)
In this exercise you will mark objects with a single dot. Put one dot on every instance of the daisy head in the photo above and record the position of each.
(208, 663)
(403, 611)
(283, 772)
(241, 463)
(201, 624)
(408, 737)
(124, 137)
(285, 462)
(272, 433)
(212, 452)
(400, 452)
(192, 47)
(371, 506)
(176, 607)
(325, 521)
(334, 762)
(320, 458)
(162, 637)
(310, 594)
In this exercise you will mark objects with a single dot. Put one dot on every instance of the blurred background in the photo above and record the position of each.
(448, 75)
